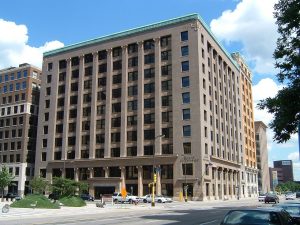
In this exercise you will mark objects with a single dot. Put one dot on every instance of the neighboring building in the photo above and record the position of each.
(284, 170)
(273, 178)
(262, 157)
(247, 119)
(105, 103)
(19, 100)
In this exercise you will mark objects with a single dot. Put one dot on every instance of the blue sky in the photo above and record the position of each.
(27, 28)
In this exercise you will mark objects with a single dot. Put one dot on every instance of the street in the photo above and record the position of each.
(190, 213)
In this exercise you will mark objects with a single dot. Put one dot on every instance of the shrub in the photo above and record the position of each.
(72, 201)
(41, 202)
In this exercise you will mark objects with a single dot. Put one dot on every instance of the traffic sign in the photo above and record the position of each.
(123, 192)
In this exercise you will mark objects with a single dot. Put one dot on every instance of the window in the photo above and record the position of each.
(166, 55)
(132, 48)
(62, 64)
(149, 44)
(185, 66)
(166, 100)
(116, 107)
(117, 52)
(167, 132)
(167, 149)
(116, 122)
(149, 73)
(131, 120)
(149, 134)
(149, 118)
(73, 100)
(49, 77)
(148, 150)
(116, 93)
(117, 65)
(117, 79)
(102, 54)
(166, 85)
(88, 58)
(88, 71)
(100, 124)
(185, 81)
(148, 59)
(132, 90)
(166, 70)
(132, 105)
(184, 50)
(186, 130)
(132, 62)
(102, 82)
(71, 141)
(25, 73)
(187, 168)
(75, 61)
(149, 103)
(75, 74)
(187, 149)
(149, 88)
(186, 97)
(131, 135)
(115, 137)
(132, 151)
(102, 68)
(165, 41)
(62, 76)
(166, 116)
(184, 36)
(132, 76)
(186, 114)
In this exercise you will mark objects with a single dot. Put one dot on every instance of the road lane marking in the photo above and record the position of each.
(208, 222)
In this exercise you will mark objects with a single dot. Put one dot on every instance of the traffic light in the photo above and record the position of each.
(154, 178)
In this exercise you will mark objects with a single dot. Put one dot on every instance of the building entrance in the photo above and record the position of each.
(107, 190)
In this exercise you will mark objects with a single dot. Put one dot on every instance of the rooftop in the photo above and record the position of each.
(134, 31)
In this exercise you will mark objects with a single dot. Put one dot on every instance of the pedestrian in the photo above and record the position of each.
(101, 198)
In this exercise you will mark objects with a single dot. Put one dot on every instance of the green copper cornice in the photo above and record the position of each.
(134, 31)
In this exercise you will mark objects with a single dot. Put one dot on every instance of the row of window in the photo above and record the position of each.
(10, 110)
(14, 76)
(14, 134)
(11, 159)
(17, 98)
(10, 146)
(11, 121)
(13, 87)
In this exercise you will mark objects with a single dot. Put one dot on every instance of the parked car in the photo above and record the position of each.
(297, 194)
(117, 197)
(261, 197)
(290, 196)
(292, 209)
(87, 197)
(157, 198)
(12, 196)
(259, 216)
(271, 198)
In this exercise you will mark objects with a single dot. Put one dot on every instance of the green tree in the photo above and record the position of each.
(286, 104)
(5, 179)
(82, 187)
(64, 186)
(38, 185)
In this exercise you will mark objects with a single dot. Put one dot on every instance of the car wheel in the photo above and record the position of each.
(145, 201)
(159, 201)
(116, 201)
(130, 201)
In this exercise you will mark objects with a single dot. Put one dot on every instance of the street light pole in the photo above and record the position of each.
(154, 174)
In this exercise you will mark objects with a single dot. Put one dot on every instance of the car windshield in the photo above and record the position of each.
(293, 210)
(250, 217)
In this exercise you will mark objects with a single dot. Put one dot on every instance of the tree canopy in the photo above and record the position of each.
(5, 178)
(285, 106)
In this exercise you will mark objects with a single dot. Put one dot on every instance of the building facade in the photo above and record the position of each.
(284, 170)
(163, 96)
(19, 101)
(262, 157)
(247, 114)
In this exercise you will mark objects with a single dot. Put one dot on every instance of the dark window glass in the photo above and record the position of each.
(184, 36)
(185, 66)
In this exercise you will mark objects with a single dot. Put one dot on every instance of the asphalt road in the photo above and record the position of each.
(174, 216)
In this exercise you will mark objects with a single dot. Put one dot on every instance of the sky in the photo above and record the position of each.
(28, 28)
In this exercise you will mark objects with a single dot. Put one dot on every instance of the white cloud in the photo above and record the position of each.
(251, 23)
(294, 156)
(14, 49)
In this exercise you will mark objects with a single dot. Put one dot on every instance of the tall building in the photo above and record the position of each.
(247, 119)
(262, 157)
(284, 170)
(19, 100)
(164, 95)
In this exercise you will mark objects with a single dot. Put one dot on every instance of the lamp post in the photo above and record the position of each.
(185, 186)
(154, 174)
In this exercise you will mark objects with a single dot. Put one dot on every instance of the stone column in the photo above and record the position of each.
(222, 184)
(66, 112)
(109, 75)
(123, 147)
(91, 170)
(216, 184)
(79, 108)
(158, 183)
(226, 183)
(76, 174)
(140, 122)
(123, 181)
(157, 96)
(140, 181)
(93, 121)
(106, 172)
